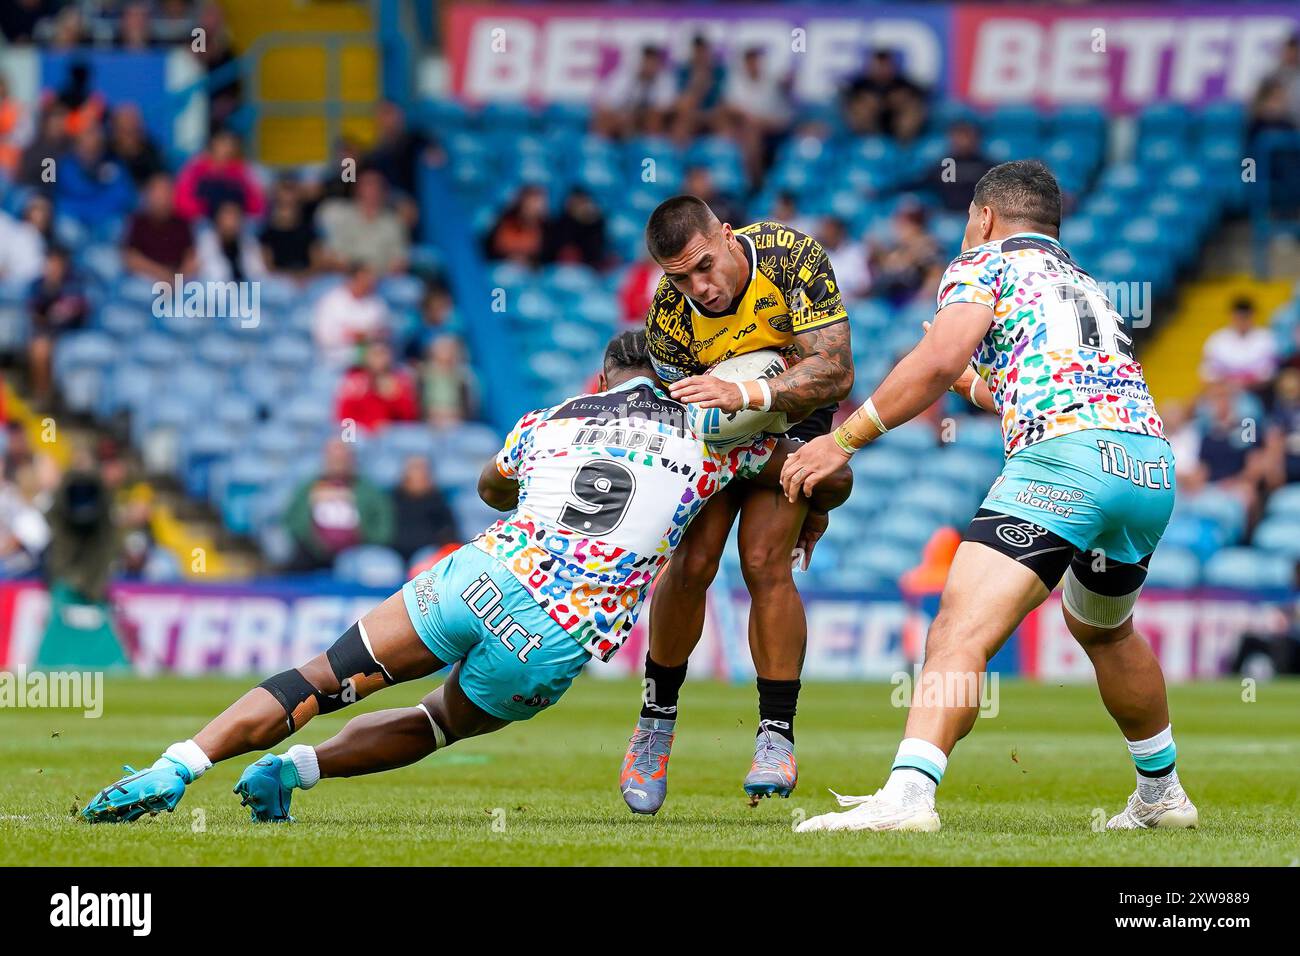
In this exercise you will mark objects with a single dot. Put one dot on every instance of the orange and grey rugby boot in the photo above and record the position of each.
(774, 770)
(644, 780)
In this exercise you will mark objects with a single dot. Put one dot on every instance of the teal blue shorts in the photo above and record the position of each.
(515, 660)
(1100, 490)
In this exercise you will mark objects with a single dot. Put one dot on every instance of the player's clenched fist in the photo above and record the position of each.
(708, 391)
(810, 464)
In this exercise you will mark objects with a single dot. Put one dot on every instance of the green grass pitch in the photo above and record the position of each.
(1027, 787)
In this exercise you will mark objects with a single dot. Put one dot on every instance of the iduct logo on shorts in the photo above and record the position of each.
(483, 598)
(1115, 460)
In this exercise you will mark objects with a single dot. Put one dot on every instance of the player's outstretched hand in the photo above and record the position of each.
(707, 391)
(805, 469)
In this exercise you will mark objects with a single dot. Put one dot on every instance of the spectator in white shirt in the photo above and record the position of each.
(365, 227)
(848, 258)
(227, 251)
(639, 101)
(756, 107)
(349, 315)
(22, 248)
(1242, 352)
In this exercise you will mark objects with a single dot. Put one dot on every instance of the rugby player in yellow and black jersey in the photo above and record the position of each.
(726, 292)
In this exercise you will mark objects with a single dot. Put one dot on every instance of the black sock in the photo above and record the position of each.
(776, 706)
(662, 685)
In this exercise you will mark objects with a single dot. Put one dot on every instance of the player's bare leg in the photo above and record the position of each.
(1132, 687)
(678, 602)
(987, 595)
(370, 743)
(676, 623)
(381, 649)
(258, 719)
(1129, 678)
(387, 739)
(778, 634)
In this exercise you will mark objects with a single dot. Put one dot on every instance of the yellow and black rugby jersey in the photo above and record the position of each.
(791, 289)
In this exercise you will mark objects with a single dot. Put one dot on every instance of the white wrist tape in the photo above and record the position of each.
(767, 395)
(873, 416)
(974, 385)
(744, 396)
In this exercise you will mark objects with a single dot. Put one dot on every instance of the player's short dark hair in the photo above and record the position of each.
(628, 350)
(674, 222)
(1023, 190)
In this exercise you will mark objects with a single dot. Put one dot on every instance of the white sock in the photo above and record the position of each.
(1153, 755)
(907, 783)
(190, 754)
(304, 761)
(1153, 789)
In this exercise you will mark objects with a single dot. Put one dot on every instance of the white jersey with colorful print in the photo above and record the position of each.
(1056, 356)
(607, 484)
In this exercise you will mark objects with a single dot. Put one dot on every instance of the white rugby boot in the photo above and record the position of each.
(876, 812)
(1173, 811)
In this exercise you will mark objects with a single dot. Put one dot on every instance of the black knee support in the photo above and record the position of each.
(355, 668)
(293, 691)
(349, 656)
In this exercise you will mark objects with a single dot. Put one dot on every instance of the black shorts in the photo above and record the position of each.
(1048, 555)
(818, 423)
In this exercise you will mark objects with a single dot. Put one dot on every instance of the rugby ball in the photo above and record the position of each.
(736, 428)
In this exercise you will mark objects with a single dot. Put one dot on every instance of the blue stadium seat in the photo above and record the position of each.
(1079, 118)
(1249, 569)
(883, 563)
(969, 469)
(1197, 534)
(103, 262)
(1279, 534)
(1174, 567)
(237, 488)
(948, 504)
(124, 320)
(1226, 511)
(1285, 502)
(372, 566)
(1223, 119)
(1171, 120)
(908, 528)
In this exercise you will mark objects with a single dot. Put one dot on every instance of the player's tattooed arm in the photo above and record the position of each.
(823, 374)
(496, 490)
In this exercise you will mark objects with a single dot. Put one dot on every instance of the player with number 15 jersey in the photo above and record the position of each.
(1056, 356)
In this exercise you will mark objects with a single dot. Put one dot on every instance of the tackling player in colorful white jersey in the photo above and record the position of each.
(599, 488)
(1085, 494)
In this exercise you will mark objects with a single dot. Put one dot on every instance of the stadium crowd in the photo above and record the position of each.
(80, 169)
(346, 243)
